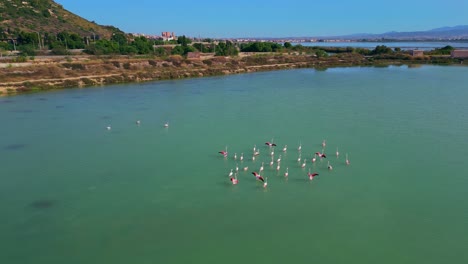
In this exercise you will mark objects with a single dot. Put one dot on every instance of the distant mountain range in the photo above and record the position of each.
(456, 32)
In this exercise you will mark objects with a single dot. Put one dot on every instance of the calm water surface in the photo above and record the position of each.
(73, 192)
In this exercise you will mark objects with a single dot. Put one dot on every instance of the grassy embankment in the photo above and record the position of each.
(85, 71)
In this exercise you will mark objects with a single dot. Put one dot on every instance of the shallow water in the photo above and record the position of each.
(72, 191)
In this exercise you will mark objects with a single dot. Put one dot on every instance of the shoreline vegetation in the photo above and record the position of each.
(43, 73)
(44, 47)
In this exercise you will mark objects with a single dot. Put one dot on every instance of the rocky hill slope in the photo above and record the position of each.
(45, 16)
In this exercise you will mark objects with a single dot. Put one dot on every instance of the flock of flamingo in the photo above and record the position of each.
(271, 149)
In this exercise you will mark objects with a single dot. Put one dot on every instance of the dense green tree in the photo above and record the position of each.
(381, 49)
(226, 49)
(298, 47)
(287, 45)
(160, 52)
(362, 51)
(27, 50)
(143, 45)
(128, 49)
(321, 53)
(177, 50)
(120, 38)
(103, 47)
(182, 50)
(5, 46)
(45, 13)
(202, 47)
(25, 38)
(260, 47)
(184, 41)
(448, 47)
(188, 49)
(441, 51)
(70, 40)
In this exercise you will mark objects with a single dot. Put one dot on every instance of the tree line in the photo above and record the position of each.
(29, 44)
(126, 44)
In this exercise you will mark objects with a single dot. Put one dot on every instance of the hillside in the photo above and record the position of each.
(45, 16)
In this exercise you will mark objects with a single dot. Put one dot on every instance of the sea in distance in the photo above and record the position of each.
(419, 45)
(72, 191)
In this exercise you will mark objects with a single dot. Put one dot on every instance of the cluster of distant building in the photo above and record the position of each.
(291, 40)
(166, 36)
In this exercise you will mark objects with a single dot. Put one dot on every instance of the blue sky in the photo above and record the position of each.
(255, 18)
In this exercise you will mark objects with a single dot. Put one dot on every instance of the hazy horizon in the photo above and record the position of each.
(257, 18)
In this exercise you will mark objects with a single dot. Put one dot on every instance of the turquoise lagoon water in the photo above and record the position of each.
(72, 191)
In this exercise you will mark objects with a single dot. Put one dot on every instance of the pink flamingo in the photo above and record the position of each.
(329, 166)
(324, 143)
(300, 147)
(271, 162)
(347, 160)
(235, 156)
(286, 173)
(303, 164)
(270, 144)
(285, 148)
(278, 167)
(279, 159)
(321, 155)
(258, 176)
(312, 175)
(224, 152)
(242, 157)
(337, 152)
(261, 168)
(299, 158)
(234, 179)
(265, 183)
(314, 158)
